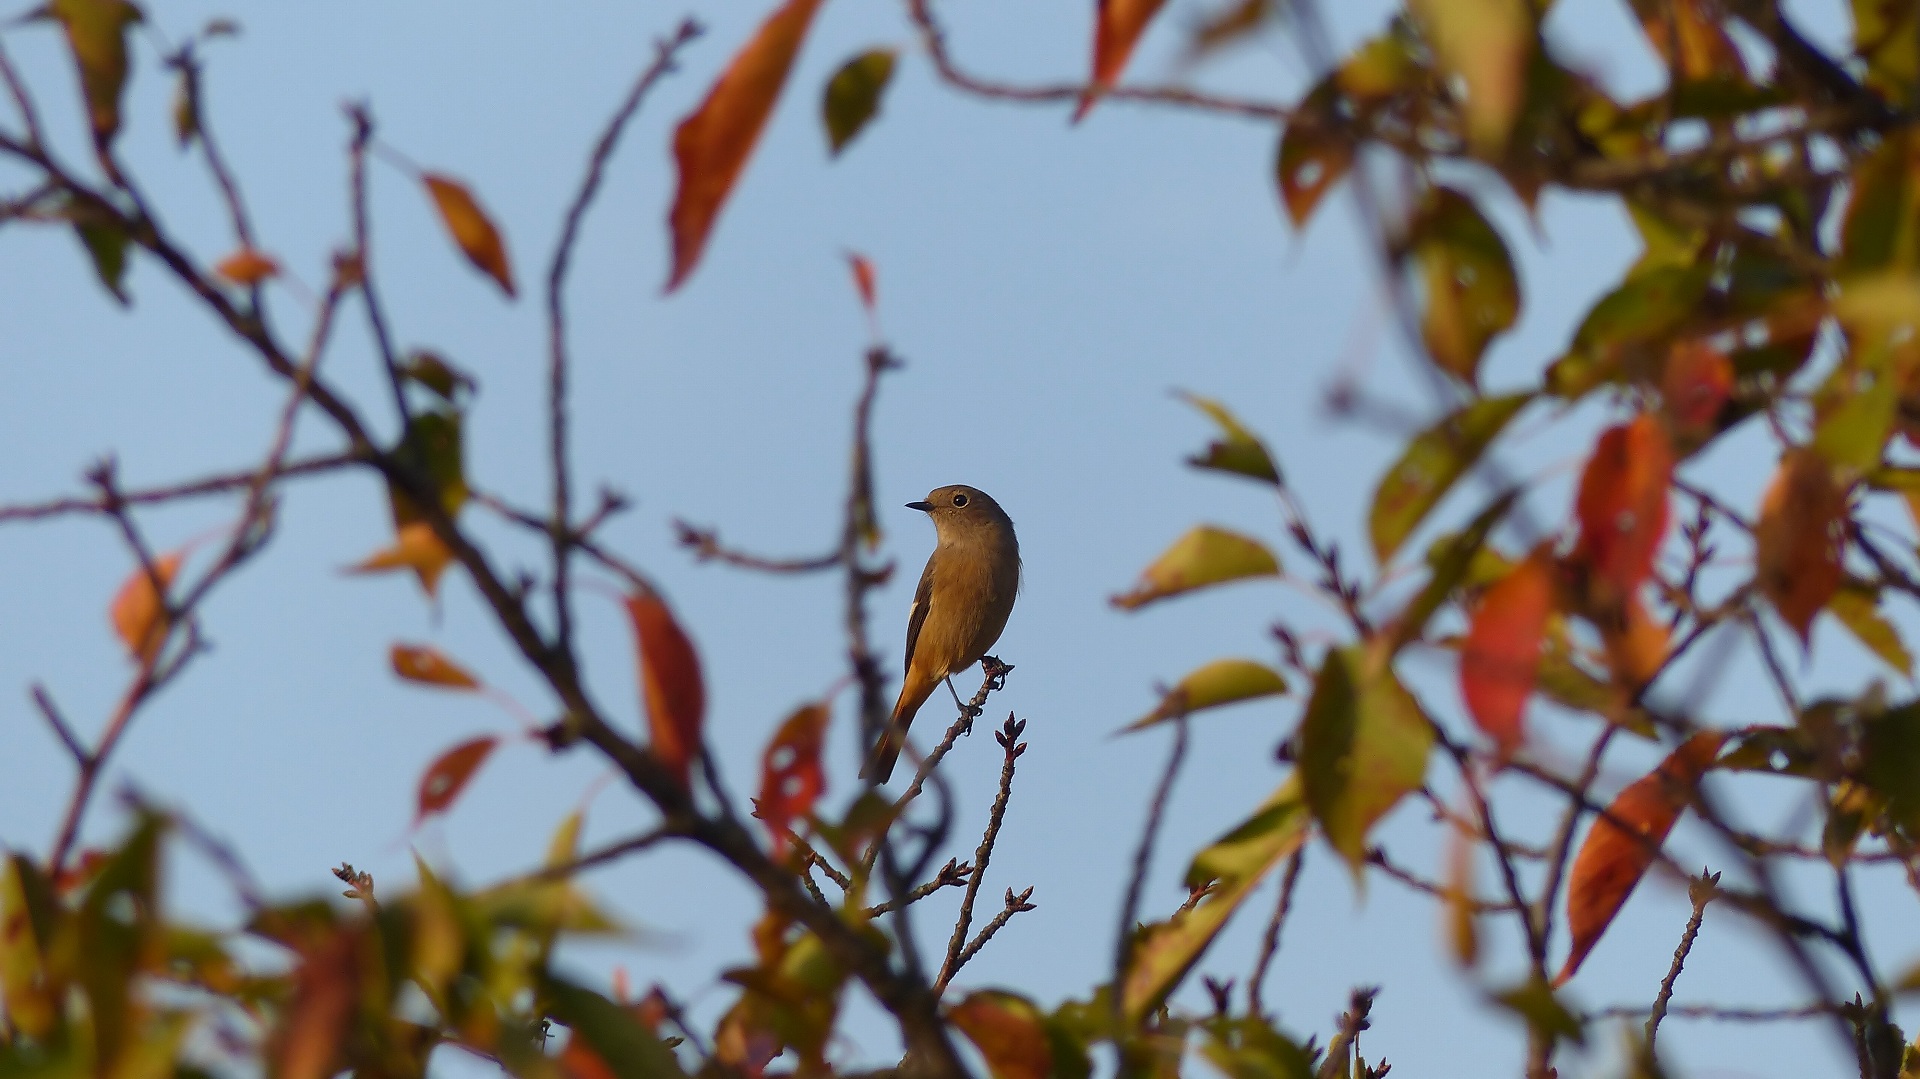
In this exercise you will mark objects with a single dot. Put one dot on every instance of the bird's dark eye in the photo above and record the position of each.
(959, 500)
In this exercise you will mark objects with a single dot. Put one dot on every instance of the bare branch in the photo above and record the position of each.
(1009, 738)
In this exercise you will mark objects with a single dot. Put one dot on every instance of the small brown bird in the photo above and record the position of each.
(965, 595)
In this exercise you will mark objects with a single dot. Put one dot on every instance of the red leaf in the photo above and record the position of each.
(1118, 27)
(670, 684)
(1796, 540)
(791, 779)
(448, 776)
(1501, 657)
(1695, 385)
(1622, 504)
(712, 145)
(309, 1046)
(139, 616)
(1616, 855)
(863, 280)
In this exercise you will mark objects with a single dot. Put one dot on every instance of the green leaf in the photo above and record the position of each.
(1886, 33)
(433, 446)
(627, 1049)
(1535, 1003)
(1628, 329)
(1164, 952)
(1237, 450)
(445, 381)
(1881, 229)
(1432, 463)
(1857, 606)
(1452, 558)
(1471, 291)
(1204, 556)
(1890, 763)
(1222, 682)
(1363, 746)
(28, 921)
(106, 245)
(97, 35)
(852, 96)
(1859, 402)
(1249, 1048)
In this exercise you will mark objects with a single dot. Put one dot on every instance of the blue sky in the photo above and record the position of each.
(1047, 286)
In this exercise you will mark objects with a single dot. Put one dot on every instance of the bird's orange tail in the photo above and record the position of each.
(886, 751)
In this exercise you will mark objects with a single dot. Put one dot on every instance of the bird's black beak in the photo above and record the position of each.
(923, 507)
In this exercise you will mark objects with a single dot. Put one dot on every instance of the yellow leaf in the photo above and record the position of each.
(97, 34)
(470, 228)
(1204, 556)
(1487, 43)
(1222, 682)
(416, 547)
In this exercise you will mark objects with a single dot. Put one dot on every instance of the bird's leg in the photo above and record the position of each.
(967, 711)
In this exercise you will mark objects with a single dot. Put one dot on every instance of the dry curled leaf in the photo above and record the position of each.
(139, 615)
(863, 280)
(470, 228)
(247, 267)
(425, 664)
(416, 547)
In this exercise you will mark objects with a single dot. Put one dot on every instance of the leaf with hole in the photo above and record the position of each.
(791, 776)
(449, 774)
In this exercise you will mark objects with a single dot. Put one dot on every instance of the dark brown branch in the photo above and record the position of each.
(601, 856)
(953, 874)
(706, 547)
(221, 483)
(933, 36)
(1014, 904)
(1377, 857)
(44, 701)
(1011, 748)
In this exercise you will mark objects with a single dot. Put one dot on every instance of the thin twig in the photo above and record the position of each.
(1008, 736)
(1143, 858)
(1014, 904)
(1701, 891)
(44, 701)
(560, 525)
(220, 483)
(1270, 941)
(951, 875)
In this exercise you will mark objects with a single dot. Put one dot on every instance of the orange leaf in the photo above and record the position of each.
(471, 228)
(579, 1061)
(670, 684)
(712, 145)
(421, 663)
(139, 616)
(1616, 855)
(1501, 656)
(416, 547)
(448, 776)
(1118, 28)
(1796, 540)
(1009, 1032)
(247, 267)
(1638, 646)
(1622, 504)
(791, 779)
(863, 279)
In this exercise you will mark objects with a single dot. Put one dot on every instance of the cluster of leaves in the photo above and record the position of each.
(1776, 193)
